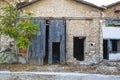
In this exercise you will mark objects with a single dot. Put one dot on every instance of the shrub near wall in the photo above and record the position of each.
(20, 30)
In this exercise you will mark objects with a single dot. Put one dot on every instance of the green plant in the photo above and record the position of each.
(21, 29)
(23, 43)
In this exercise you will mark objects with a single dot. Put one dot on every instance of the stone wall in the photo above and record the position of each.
(109, 12)
(90, 30)
(4, 42)
(61, 8)
(5, 3)
(8, 51)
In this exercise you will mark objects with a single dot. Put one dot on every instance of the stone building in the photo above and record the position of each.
(70, 31)
(111, 31)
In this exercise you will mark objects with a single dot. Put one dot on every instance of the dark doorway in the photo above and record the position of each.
(105, 50)
(79, 48)
(114, 45)
(56, 52)
(47, 43)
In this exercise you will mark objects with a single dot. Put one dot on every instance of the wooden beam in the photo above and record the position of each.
(65, 18)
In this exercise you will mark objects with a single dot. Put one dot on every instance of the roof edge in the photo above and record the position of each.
(24, 4)
(113, 4)
(90, 4)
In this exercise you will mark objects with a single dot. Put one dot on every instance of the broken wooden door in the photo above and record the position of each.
(57, 35)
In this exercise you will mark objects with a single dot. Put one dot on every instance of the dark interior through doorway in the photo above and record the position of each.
(47, 43)
(79, 48)
(105, 50)
(114, 45)
(56, 52)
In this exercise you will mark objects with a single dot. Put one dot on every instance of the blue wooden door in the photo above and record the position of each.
(57, 34)
(37, 48)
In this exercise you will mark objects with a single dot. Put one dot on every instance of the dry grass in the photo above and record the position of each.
(17, 67)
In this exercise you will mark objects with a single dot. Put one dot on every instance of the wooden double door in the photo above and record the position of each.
(48, 46)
